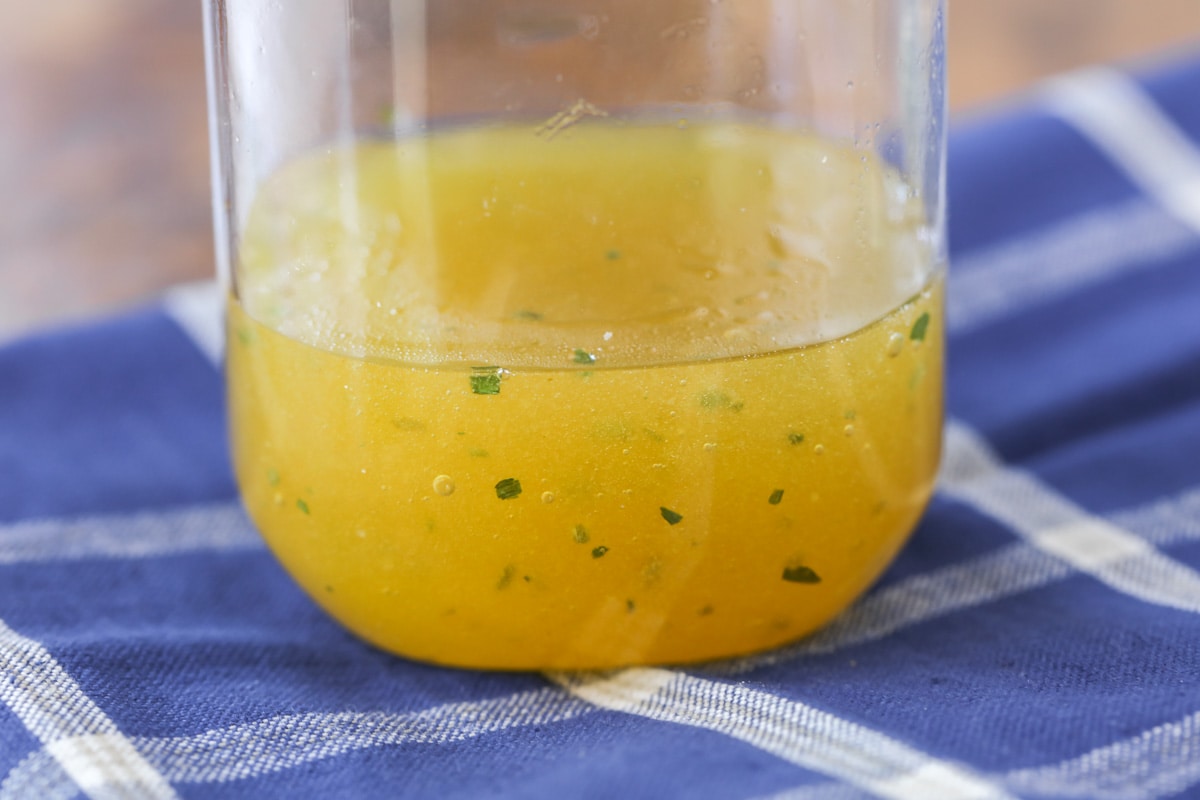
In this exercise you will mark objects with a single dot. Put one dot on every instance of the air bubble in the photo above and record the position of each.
(819, 449)
(443, 485)
(547, 497)
(895, 345)
(848, 430)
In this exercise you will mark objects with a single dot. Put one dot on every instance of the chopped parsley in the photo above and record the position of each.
(506, 577)
(613, 255)
(273, 477)
(477, 453)
(704, 612)
(485, 380)
(715, 398)
(508, 488)
(580, 534)
(529, 316)
(583, 357)
(598, 552)
(303, 506)
(800, 575)
(775, 497)
(919, 328)
(245, 336)
(672, 517)
(630, 605)
(795, 438)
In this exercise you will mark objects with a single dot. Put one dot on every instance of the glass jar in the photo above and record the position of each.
(581, 334)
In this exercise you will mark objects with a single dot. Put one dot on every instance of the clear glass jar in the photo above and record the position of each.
(569, 334)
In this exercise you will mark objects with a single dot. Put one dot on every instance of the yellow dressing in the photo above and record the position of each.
(633, 394)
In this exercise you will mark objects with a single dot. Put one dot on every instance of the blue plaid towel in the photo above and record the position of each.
(1040, 637)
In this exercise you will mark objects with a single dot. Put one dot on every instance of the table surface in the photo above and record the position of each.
(104, 148)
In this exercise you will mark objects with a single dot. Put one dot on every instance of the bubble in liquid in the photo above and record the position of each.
(547, 497)
(895, 345)
(848, 430)
(443, 485)
(819, 449)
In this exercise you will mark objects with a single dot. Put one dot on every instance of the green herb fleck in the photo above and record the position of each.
(584, 357)
(775, 497)
(704, 612)
(850, 414)
(273, 477)
(586, 375)
(303, 506)
(329, 588)
(630, 605)
(527, 578)
(919, 328)
(672, 517)
(508, 488)
(715, 398)
(581, 535)
(529, 316)
(506, 577)
(408, 424)
(245, 336)
(613, 255)
(477, 453)
(598, 552)
(485, 380)
(795, 438)
(800, 575)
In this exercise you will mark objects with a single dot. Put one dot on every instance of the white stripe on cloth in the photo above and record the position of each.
(987, 285)
(85, 744)
(143, 534)
(1122, 120)
(38, 775)
(196, 309)
(1161, 762)
(1057, 526)
(1167, 521)
(826, 790)
(788, 729)
(278, 743)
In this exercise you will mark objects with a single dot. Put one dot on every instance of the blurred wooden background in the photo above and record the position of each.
(104, 151)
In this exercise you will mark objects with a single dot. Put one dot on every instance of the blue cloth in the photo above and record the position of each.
(1039, 637)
